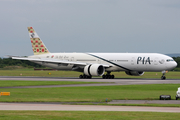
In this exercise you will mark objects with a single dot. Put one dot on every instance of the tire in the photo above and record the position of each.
(163, 77)
(84, 76)
(112, 76)
(104, 77)
(89, 77)
(80, 76)
(107, 76)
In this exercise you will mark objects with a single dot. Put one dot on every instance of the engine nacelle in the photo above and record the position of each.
(94, 70)
(134, 73)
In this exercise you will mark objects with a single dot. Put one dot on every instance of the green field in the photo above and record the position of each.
(85, 115)
(12, 83)
(89, 94)
(31, 72)
(85, 94)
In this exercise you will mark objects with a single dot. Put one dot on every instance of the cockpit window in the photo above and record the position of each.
(168, 60)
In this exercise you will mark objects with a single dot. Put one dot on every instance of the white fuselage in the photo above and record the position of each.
(116, 61)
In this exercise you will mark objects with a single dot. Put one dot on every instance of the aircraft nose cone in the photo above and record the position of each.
(175, 64)
(171, 65)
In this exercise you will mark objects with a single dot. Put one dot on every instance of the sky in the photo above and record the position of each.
(137, 26)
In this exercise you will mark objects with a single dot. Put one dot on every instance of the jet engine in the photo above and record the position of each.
(134, 73)
(94, 70)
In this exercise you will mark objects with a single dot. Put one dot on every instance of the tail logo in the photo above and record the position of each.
(37, 44)
(32, 35)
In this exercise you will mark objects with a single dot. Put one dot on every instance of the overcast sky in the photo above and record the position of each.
(91, 25)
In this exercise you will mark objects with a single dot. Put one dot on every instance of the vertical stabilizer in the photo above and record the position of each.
(37, 44)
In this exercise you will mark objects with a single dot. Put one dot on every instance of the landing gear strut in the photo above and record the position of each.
(108, 76)
(163, 77)
(85, 77)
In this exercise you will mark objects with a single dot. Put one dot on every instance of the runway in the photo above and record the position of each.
(109, 82)
(59, 107)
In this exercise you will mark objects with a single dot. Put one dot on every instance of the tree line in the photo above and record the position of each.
(11, 62)
(177, 59)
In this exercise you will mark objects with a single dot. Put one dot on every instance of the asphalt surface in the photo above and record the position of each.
(112, 81)
(60, 107)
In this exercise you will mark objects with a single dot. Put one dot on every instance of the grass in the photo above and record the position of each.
(84, 94)
(31, 72)
(90, 94)
(12, 83)
(86, 115)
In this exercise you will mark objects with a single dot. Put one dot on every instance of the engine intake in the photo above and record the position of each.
(134, 73)
(94, 70)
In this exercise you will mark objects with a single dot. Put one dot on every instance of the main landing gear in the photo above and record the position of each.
(108, 76)
(163, 77)
(85, 77)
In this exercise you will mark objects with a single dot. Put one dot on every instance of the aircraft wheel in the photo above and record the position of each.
(80, 76)
(112, 76)
(104, 76)
(163, 77)
(107, 76)
(85, 77)
(89, 77)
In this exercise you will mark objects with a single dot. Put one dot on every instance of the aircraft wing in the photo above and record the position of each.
(56, 61)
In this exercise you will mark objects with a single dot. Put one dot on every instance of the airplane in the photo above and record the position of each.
(96, 64)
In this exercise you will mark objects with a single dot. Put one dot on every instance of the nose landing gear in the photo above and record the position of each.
(163, 77)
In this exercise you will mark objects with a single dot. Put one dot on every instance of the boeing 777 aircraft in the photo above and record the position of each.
(96, 64)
